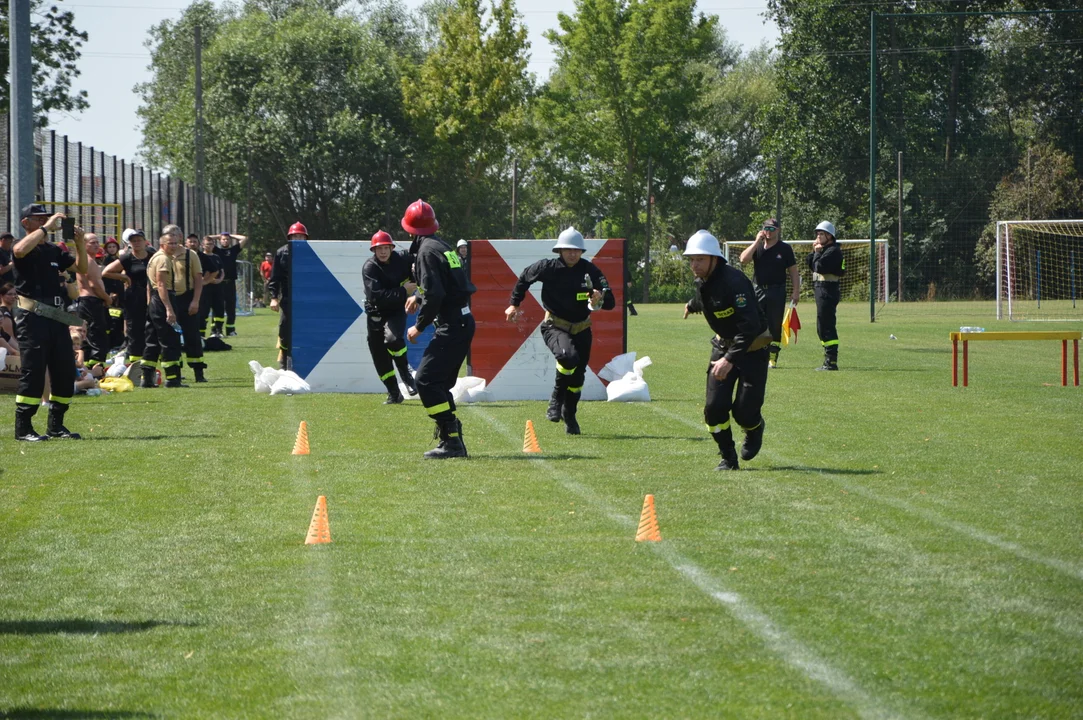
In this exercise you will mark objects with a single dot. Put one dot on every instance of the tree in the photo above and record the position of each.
(55, 44)
(467, 104)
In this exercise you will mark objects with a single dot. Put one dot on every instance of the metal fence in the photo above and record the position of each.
(69, 172)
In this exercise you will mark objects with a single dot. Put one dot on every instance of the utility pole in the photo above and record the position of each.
(22, 111)
(778, 194)
(514, 198)
(647, 249)
(200, 215)
(899, 260)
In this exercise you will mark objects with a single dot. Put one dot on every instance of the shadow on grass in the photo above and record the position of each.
(538, 456)
(822, 470)
(78, 626)
(934, 351)
(198, 436)
(689, 438)
(852, 368)
(57, 714)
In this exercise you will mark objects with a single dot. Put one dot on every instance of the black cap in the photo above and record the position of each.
(771, 222)
(6, 236)
(33, 210)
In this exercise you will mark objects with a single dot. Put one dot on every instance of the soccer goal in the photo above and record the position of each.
(855, 283)
(102, 219)
(1038, 269)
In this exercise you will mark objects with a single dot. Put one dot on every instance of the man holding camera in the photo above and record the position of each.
(41, 322)
(772, 260)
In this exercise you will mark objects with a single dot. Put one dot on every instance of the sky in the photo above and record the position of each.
(115, 59)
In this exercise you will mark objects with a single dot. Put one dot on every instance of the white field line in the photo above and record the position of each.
(931, 517)
(776, 639)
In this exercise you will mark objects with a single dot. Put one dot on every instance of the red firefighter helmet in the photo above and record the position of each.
(381, 238)
(298, 229)
(420, 219)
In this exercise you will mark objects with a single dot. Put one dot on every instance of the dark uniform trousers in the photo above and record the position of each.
(204, 309)
(43, 344)
(439, 366)
(163, 349)
(387, 344)
(772, 299)
(192, 338)
(572, 353)
(749, 376)
(135, 310)
(229, 300)
(284, 327)
(96, 346)
(217, 308)
(827, 302)
(116, 324)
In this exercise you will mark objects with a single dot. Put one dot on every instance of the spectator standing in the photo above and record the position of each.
(229, 247)
(827, 266)
(265, 272)
(7, 268)
(171, 272)
(8, 296)
(772, 261)
(94, 304)
(131, 269)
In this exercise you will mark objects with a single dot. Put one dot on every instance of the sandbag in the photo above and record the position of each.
(116, 383)
(289, 383)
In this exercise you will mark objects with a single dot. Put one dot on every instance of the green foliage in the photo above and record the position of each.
(55, 45)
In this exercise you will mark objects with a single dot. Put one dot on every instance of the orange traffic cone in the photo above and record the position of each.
(301, 446)
(319, 531)
(530, 440)
(648, 522)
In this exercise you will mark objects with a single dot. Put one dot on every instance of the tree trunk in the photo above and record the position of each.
(953, 93)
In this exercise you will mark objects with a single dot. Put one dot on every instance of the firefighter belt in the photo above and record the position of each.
(761, 341)
(48, 311)
(573, 328)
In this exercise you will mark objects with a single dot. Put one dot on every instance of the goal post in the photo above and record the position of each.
(1038, 270)
(103, 219)
(855, 284)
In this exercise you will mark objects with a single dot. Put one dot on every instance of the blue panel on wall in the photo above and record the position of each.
(322, 310)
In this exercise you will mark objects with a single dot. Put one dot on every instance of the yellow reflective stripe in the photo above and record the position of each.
(61, 400)
(396, 353)
(750, 429)
(115, 312)
(564, 371)
(132, 359)
(718, 428)
(150, 364)
(170, 363)
(24, 400)
(219, 319)
(575, 389)
(829, 343)
(387, 375)
(91, 362)
(437, 409)
(229, 325)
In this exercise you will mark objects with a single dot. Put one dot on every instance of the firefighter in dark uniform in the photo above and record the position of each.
(445, 292)
(115, 289)
(569, 283)
(828, 266)
(227, 253)
(278, 287)
(386, 276)
(211, 299)
(189, 321)
(131, 269)
(772, 260)
(172, 272)
(739, 353)
(41, 323)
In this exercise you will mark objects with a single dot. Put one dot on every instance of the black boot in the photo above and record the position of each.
(198, 370)
(567, 412)
(724, 440)
(405, 375)
(451, 441)
(753, 441)
(56, 427)
(394, 395)
(556, 403)
(772, 355)
(147, 381)
(831, 359)
(24, 429)
(173, 377)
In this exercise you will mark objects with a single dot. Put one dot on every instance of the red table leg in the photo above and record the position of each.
(954, 363)
(1075, 360)
(1064, 363)
(966, 364)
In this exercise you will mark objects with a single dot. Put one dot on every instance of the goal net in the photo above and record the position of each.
(855, 283)
(1038, 269)
(102, 219)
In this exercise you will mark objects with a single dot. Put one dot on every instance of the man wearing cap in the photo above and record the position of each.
(444, 302)
(827, 266)
(41, 324)
(94, 302)
(131, 269)
(571, 288)
(6, 266)
(227, 252)
(772, 260)
(279, 289)
(737, 373)
(386, 276)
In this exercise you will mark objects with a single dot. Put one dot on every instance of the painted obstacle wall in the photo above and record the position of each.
(329, 334)
(513, 359)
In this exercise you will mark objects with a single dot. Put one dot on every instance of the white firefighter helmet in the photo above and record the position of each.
(827, 227)
(570, 239)
(703, 243)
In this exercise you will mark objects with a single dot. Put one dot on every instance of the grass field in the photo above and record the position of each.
(901, 548)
